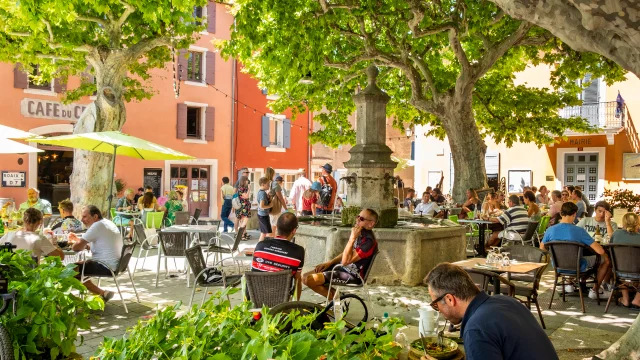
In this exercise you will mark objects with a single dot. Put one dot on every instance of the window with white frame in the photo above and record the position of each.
(194, 122)
(39, 86)
(195, 65)
(276, 132)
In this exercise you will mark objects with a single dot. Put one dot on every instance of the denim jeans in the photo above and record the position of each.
(226, 211)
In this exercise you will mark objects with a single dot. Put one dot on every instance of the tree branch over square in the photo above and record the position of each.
(446, 61)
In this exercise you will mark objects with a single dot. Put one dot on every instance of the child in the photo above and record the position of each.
(310, 199)
(264, 204)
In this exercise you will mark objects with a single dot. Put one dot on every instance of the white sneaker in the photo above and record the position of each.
(603, 294)
(569, 289)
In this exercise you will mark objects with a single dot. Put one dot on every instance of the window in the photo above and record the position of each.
(41, 86)
(276, 132)
(194, 122)
(275, 129)
(194, 66)
(198, 15)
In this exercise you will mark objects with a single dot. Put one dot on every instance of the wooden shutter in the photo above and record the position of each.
(265, 131)
(286, 133)
(209, 123)
(181, 122)
(20, 78)
(211, 67)
(183, 63)
(59, 86)
(211, 17)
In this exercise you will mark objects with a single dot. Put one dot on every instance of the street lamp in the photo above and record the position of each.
(408, 131)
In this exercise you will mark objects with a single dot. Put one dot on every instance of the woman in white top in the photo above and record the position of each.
(28, 238)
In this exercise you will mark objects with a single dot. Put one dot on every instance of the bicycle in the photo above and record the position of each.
(6, 347)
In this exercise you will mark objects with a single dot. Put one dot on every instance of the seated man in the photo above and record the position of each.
(354, 260)
(576, 197)
(514, 218)
(437, 197)
(279, 253)
(66, 221)
(555, 204)
(28, 238)
(566, 231)
(493, 327)
(34, 201)
(106, 246)
(601, 219)
(427, 207)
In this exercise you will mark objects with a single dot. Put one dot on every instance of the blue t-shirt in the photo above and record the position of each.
(262, 195)
(499, 327)
(569, 232)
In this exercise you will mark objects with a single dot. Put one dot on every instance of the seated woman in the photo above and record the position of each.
(28, 238)
(173, 205)
(628, 234)
(533, 210)
(471, 204)
(147, 205)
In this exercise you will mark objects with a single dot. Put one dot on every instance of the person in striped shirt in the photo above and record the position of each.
(280, 253)
(514, 218)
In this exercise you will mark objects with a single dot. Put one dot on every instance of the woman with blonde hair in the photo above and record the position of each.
(471, 204)
(629, 235)
(173, 205)
(275, 192)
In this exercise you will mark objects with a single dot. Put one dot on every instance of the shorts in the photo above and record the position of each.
(592, 261)
(341, 276)
(265, 225)
(93, 268)
(274, 218)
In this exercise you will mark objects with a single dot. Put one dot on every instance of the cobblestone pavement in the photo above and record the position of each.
(574, 335)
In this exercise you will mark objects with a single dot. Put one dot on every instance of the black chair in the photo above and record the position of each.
(230, 246)
(172, 245)
(511, 236)
(529, 290)
(625, 261)
(196, 216)
(566, 256)
(123, 264)
(486, 280)
(268, 288)
(181, 218)
(362, 285)
(206, 276)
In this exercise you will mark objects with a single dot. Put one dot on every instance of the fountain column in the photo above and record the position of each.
(370, 168)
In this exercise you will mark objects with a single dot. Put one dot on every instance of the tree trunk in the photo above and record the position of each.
(627, 347)
(467, 147)
(91, 176)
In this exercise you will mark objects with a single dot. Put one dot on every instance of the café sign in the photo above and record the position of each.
(14, 178)
(45, 109)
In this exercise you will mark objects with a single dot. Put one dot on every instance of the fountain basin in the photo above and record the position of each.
(407, 252)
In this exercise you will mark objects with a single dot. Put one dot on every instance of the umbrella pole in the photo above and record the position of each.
(113, 169)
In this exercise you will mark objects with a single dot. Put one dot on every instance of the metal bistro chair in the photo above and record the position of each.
(206, 276)
(172, 245)
(181, 218)
(123, 264)
(484, 279)
(268, 288)
(146, 243)
(228, 245)
(154, 219)
(512, 236)
(196, 216)
(362, 285)
(625, 260)
(565, 256)
(530, 282)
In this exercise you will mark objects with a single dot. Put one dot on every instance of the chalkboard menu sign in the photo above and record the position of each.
(153, 178)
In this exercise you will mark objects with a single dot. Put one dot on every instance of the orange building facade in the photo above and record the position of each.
(198, 122)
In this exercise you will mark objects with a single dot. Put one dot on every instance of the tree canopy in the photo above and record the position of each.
(427, 51)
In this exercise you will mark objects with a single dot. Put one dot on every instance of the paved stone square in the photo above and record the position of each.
(574, 335)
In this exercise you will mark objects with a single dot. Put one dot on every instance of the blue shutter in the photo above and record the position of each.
(265, 131)
(286, 133)
(413, 150)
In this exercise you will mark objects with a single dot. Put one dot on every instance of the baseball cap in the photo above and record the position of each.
(316, 186)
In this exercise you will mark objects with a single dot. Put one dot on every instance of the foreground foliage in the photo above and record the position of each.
(216, 332)
(48, 315)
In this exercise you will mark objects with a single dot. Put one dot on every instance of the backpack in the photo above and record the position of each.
(275, 200)
(325, 193)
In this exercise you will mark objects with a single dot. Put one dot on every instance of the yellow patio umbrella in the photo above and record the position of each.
(7, 132)
(116, 143)
(13, 147)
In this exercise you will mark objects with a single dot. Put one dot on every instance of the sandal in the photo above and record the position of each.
(619, 303)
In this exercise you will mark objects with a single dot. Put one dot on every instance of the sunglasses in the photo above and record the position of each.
(362, 219)
(565, 194)
(434, 303)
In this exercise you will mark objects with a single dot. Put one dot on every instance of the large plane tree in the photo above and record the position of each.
(115, 42)
(447, 63)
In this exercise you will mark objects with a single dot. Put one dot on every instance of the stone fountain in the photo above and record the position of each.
(407, 249)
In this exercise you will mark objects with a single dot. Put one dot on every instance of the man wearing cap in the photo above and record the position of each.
(325, 205)
(301, 185)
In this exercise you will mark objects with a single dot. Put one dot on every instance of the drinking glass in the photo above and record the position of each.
(505, 259)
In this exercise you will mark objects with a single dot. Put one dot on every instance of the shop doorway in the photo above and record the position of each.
(196, 179)
(581, 169)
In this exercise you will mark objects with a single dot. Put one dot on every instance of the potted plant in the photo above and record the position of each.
(48, 315)
(622, 202)
(215, 331)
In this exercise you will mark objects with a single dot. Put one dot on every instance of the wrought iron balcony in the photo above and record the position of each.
(602, 115)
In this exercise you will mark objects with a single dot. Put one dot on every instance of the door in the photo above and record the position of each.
(581, 169)
(196, 179)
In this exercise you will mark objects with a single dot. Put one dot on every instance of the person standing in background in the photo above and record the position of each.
(327, 181)
(301, 185)
(226, 194)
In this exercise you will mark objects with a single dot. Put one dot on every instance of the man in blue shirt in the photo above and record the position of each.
(565, 230)
(493, 327)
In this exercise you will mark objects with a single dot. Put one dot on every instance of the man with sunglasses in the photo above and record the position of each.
(493, 327)
(352, 263)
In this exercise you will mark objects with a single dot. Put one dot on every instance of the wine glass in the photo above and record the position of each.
(505, 259)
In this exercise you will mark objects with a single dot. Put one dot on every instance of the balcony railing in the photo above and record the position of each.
(602, 115)
(632, 134)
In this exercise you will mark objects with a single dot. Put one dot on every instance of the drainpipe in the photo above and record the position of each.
(309, 174)
(234, 66)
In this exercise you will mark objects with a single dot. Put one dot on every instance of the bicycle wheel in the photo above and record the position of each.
(354, 309)
(305, 308)
(6, 347)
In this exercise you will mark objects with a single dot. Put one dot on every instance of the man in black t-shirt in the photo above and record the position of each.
(352, 264)
(279, 253)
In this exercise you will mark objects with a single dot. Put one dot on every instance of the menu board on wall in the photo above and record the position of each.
(153, 178)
